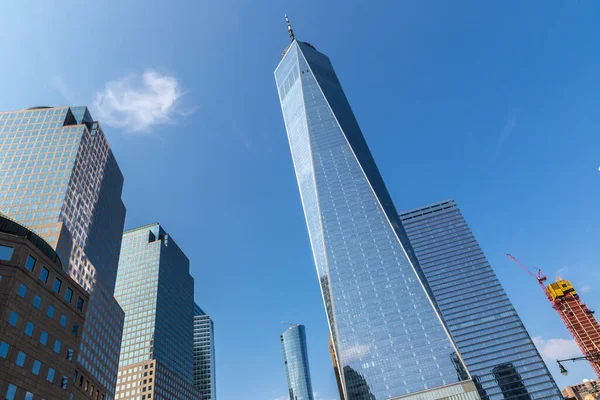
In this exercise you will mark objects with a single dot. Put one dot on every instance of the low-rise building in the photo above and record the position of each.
(587, 390)
(42, 312)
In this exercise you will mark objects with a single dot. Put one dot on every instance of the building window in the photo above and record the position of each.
(21, 359)
(70, 357)
(28, 396)
(43, 338)
(36, 367)
(80, 304)
(57, 345)
(68, 294)
(6, 252)
(63, 320)
(50, 376)
(22, 290)
(63, 382)
(4, 349)
(75, 376)
(44, 274)
(50, 312)
(57, 285)
(11, 391)
(37, 301)
(13, 319)
(30, 264)
(75, 330)
(29, 328)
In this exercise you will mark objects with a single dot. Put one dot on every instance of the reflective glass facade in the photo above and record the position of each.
(204, 355)
(59, 177)
(388, 337)
(496, 348)
(156, 291)
(295, 358)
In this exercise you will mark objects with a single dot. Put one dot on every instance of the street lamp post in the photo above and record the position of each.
(592, 357)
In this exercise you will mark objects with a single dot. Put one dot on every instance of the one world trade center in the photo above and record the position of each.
(389, 339)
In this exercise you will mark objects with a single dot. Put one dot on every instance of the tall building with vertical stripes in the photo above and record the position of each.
(295, 360)
(494, 344)
(205, 378)
(59, 177)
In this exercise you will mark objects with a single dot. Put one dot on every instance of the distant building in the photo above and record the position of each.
(295, 358)
(204, 355)
(495, 346)
(43, 313)
(59, 177)
(587, 390)
(156, 291)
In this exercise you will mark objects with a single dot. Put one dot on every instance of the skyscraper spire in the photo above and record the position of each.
(290, 30)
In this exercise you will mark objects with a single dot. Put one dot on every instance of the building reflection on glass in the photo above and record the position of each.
(510, 382)
(356, 385)
(461, 371)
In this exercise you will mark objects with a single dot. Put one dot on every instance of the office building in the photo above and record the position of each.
(59, 177)
(295, 360)
(156, 291)
(494, 344)
(389, 339)
(204, 355)
(587, 390)
(42, 311)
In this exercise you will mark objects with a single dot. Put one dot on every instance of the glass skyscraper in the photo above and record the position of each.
(490, 336)
(389, 339)
(59, 177)
(204, 355)
(295, 359)
(156, 291)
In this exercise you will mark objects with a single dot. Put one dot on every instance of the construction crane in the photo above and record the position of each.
(576, 316)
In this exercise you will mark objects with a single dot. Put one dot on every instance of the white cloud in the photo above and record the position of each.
(282, 398)
(585, 289)
(556, 349)
(138, 103)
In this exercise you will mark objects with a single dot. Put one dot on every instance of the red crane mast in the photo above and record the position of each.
(576, 316)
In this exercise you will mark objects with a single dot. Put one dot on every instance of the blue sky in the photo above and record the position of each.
(494, 104)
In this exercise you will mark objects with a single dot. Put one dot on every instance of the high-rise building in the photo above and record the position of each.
(204, 355)
(295, 359)
(156, 291)
(59, 177)
(389, 339)
(494, 344)
(42, 310)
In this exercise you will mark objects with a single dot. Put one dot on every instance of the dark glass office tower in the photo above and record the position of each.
(204, 355)
(389, 339)
(295, 358)
(156, 291)
(490, 336)
(59, 177)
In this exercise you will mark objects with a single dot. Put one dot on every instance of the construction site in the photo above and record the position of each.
(576, 316)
